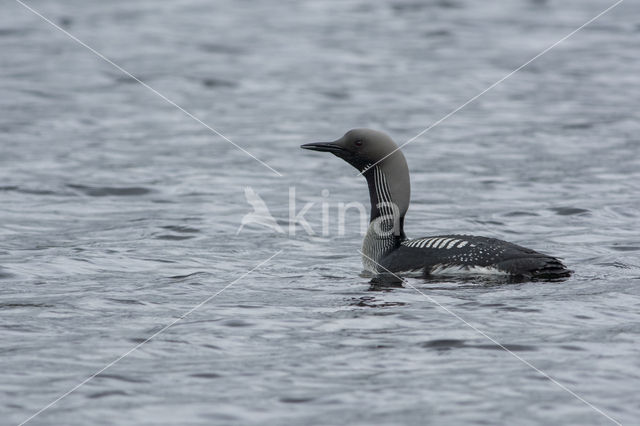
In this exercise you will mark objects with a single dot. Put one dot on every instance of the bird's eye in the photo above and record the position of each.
(358, 142)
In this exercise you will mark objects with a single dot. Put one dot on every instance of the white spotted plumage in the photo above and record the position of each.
(452, 243)
(436, 243)
(471, 270)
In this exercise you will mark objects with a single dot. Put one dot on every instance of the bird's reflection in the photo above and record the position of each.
(373, 302)
(385, 282)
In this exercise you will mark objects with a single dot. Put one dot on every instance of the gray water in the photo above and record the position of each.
(119, 213)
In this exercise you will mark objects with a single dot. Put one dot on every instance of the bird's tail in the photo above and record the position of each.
(552, 268)
(536, 266)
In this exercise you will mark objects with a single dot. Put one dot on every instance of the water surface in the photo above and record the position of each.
(119, 213)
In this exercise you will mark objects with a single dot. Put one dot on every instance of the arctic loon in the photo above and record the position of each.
(387, 249)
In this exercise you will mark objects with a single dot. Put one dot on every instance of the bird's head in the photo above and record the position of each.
(379, 159)
(360, 147)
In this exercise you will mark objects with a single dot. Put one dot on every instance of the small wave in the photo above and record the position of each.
(105, 191)
(4, 275)
(12, 188)
(8, 32)
(519, 213)
(220, 48)
(295, 400)
(443, 344)
(174, 237)
(98, 395)
(624, 248)
(510, 347)
(206, 375)
(24, 305)
(125, 301)
(447, 344)
(121, 378)
(571, 348)
(237, 323)
(183, 229)
(568, 211)
(215, 82)
(182, 277)
(336, 94)
(577, 126)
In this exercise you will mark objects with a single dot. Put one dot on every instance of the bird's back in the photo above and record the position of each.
(454, 254)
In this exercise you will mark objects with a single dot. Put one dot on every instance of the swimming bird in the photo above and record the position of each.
(387, 249)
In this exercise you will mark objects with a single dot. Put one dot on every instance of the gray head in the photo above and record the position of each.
(359, 147)
(375, 155)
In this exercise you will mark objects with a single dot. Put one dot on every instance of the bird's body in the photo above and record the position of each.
(386, 248)
(468, 254)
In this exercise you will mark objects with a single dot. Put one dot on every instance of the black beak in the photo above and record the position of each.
(324, 147)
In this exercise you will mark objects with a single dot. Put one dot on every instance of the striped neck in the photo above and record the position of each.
(384, 209)
(385, 232)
